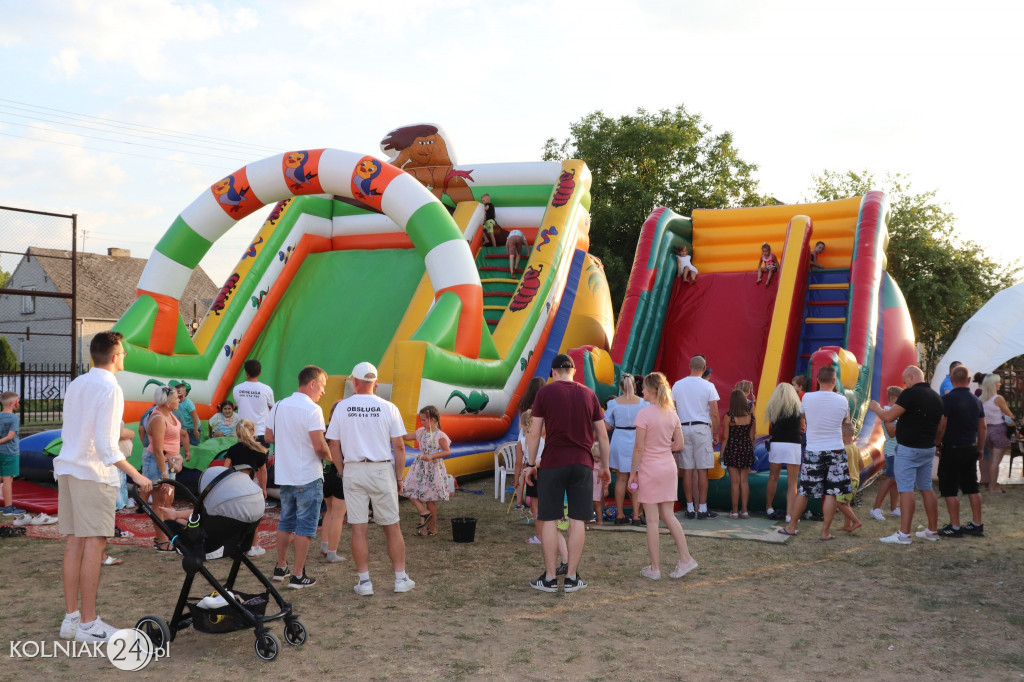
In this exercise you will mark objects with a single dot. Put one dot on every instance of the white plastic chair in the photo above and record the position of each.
(504, 468)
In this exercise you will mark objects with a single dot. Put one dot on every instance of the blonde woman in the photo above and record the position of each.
(654, 473)
(248, 451)
(618, 419)
(785, 424)
(163, 457)
(996, 413)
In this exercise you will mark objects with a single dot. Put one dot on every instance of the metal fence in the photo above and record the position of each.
(40, 390)
(38, 285)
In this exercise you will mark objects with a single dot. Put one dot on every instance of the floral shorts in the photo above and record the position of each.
(824, 472)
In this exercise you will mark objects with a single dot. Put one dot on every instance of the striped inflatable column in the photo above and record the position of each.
(378, 185)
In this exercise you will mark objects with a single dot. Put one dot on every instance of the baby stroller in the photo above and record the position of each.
(226, 514)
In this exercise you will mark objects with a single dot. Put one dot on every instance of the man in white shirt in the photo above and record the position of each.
(365, 437)
(697, 405)
(87, 482)
(297, 429)
(825, 470)
(254, 399)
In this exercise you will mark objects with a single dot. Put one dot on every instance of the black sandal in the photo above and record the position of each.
(424, 520)
(163, 546)
(425, 533)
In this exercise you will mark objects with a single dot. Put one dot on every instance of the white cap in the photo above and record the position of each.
(365, 371)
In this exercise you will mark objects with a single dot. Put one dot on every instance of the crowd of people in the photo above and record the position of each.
(355, 463)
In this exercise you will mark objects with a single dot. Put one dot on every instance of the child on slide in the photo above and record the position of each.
(489, 223)
(427, 480)
(684, 264)
(819, 249)
(768, 265)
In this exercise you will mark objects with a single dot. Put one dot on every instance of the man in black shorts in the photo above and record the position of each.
(571, 415)
(962, 436)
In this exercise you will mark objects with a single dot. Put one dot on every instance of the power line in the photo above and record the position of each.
(159, 131)
(112, 151)
(108, 139)
(146, 136)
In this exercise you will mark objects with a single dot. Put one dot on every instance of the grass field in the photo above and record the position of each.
(804, 610)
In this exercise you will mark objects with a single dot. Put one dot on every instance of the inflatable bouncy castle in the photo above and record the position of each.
(381, 258)
(848, 313)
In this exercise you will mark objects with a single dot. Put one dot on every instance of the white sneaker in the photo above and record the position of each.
(99, 632)
(256, 551)
(896, 538)
(895, 512)
(877, 514)
(404, 584)
(23, 520)
(337, 559)
(42, 520)
(69, 626)
(682, 569)
(216, 554)
(931, 536)
(364, 589)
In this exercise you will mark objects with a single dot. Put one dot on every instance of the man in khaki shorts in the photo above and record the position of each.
(697, 405)
(87, 483)
(363, 431)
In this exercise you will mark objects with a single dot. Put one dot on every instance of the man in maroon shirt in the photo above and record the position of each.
(571, 416)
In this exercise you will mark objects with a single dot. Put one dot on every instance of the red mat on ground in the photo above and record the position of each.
(34, 498)
(142, 529)
(726, 317)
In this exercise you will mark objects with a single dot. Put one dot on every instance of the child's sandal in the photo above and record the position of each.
(424, 520)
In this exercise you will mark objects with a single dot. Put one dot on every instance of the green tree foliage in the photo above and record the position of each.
(944, 277)
(639, 162)
(8, 360)
(4, 278)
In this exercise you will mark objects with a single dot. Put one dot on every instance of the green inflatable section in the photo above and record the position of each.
(342, 307)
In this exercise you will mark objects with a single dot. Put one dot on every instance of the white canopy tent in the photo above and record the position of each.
(994, 335)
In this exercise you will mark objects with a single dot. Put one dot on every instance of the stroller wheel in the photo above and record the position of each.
(267, 646)
(156, 629)
(295, 633)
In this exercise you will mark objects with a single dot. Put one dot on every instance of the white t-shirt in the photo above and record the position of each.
(254, 401)
(364, 424)
(292, 420)
(825, 412)
(692, 395)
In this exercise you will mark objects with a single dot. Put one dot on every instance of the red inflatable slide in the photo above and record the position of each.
(723, 316)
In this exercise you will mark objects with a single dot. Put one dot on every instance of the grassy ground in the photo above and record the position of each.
(804, 610)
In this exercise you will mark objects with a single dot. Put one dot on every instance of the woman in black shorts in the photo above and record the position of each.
(334, 519)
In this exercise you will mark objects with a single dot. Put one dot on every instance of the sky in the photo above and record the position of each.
(123, 112)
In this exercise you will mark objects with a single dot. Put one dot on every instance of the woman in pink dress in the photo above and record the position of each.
(654, 471)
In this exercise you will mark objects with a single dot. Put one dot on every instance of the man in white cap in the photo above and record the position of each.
(365, 438)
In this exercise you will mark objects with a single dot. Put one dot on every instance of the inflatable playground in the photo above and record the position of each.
(382, 258)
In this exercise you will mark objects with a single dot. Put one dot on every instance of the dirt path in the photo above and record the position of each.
(804, 610)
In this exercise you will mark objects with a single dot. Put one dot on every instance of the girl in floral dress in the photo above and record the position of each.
(427, 479)
(738, 435)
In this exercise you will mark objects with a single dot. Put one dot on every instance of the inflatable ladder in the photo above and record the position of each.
(492, 264)
(825, 313)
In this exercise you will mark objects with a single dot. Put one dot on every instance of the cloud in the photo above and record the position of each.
(66, 62)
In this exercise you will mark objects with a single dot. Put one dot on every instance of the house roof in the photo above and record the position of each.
(107, 284)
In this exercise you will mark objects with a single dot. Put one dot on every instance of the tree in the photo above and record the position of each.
(8, 360)
(4, 278)
(639, 162)
(944, 277)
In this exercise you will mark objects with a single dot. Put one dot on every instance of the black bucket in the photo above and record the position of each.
(463, 529)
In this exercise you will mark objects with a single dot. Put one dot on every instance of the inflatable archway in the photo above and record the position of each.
(153, 321)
